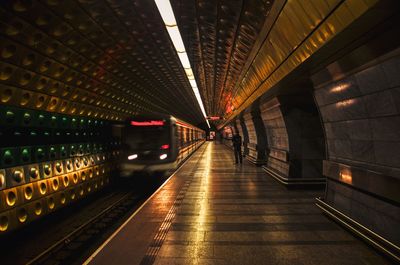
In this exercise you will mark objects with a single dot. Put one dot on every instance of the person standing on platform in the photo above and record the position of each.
(237, 147)
(221, 138)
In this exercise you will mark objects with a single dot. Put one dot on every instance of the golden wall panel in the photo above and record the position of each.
(300, 30)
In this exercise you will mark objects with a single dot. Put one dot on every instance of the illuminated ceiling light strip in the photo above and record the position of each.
(176, 39)
(193, 83)
(184, 60)
(189, 72)
(167, 14)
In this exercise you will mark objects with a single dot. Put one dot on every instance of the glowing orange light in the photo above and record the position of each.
(147, 123)
(340, 88)
(345, 103)
(346, 177)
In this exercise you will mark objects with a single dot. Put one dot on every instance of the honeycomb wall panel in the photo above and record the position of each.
(48, 160)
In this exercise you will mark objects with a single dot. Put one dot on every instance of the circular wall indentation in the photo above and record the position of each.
(33, 172)
(25, 154)
(26, 96)
(18, 176)
(63, 107)
(66, 181)
(69, 166)
(8, 51)
(50, 203)
(58, 167)
(75, 177)
(22, 215)
(47, 170)
(38, 208)
(83, 175)
(11, 198)
(55, 184)
(6, 95)
(6, 73)
(28, 192)
(53, 104)
(40, 101)
(54, 88)
(63, 199)
(41, 84)
(25, 79)
(2, 180)
(10, 118)
(28, 59)
(3, 223)
(43, 188)
(45, 66)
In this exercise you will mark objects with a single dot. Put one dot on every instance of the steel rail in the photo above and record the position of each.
(69, 238)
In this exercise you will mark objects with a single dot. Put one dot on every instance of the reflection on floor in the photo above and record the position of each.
(215, 212)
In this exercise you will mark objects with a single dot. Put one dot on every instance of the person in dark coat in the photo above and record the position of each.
(237, 147)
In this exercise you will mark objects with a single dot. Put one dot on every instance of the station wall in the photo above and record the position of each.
(360, 110)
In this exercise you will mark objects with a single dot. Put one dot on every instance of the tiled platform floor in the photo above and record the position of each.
(215, 212)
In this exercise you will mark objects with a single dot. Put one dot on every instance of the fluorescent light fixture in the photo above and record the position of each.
(163, 156)
(184, 60)
(131, 157)
(193, 83)
(189, 72)
(167, 14)
(176, 38)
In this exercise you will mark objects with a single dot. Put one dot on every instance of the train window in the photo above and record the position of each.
(180, 136)
(146, 137)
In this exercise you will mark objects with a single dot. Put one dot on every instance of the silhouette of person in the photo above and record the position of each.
(221, 138)
(237, 147)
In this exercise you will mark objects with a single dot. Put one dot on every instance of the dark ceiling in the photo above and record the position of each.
(114, 58)
(219, 35)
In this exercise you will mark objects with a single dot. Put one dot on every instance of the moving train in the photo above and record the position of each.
(156, 144)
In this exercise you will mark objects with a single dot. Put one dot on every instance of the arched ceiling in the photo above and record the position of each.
(219, 35)
(109, 59)
(113, 58)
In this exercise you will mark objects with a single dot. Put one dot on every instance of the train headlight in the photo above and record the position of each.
(131, 157)
(163, 156)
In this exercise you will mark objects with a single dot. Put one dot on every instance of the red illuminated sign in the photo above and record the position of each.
(214, 118)
(165, 146)
(147, 123)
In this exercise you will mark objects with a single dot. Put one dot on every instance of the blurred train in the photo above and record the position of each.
(156, 144)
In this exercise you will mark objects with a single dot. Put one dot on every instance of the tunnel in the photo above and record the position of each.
(311, 87)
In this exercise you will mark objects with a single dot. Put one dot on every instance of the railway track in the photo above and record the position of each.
(68, 249)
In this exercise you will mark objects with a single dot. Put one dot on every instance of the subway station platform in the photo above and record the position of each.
(212, 211)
